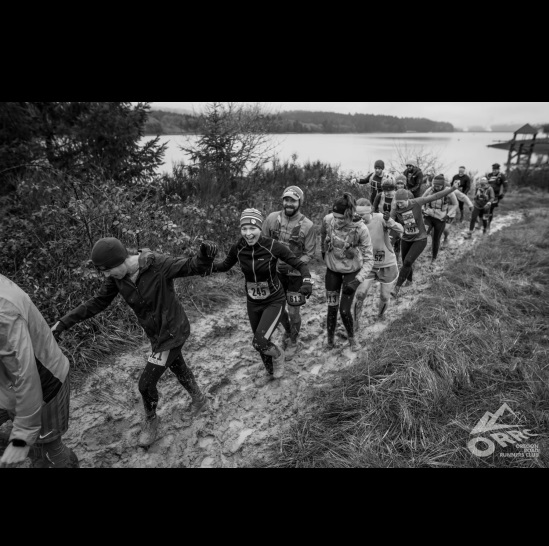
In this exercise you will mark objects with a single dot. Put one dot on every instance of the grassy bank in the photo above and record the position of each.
(477, 339)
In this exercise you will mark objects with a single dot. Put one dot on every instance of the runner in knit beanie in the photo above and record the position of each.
(375, 179)
(146, 282)
(258, 256)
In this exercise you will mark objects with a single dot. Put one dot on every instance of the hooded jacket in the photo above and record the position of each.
(348, 249)
(414, 179)
(32, 366)
(152, 298)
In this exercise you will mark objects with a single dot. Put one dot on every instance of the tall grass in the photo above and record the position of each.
(477, 339)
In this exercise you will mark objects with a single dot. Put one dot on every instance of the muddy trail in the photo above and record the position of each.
(246, 413)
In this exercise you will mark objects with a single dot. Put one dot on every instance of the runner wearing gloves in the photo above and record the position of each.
(146, 282)
(347, 251)
(438, 213)
(385, 269)
(482, 201)
(375, 179)
(295, 231)
(258, 256)
(408, 213)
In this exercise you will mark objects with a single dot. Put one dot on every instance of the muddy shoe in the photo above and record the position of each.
(198, 404)
(408, 283)
(73, 460)
(467, 235)
(395, 293)
(149, 430)
(353, 344)
(291, 347)
(278, 364)
(330, 344)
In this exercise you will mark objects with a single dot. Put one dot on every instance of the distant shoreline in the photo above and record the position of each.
(363, 133)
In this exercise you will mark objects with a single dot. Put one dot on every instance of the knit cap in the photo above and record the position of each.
(440, 179)
(108, 253)
(400, 178)
(294, 192)
(401, 195)
(379, 164)
(252, 217)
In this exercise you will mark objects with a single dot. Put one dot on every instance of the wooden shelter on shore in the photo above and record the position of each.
(522, 149)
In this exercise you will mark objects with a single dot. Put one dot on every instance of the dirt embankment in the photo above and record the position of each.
(246, 413)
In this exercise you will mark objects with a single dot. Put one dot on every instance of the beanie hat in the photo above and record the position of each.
(251, 216)
(295, 193)
(440, 179)
(483, 180)
(379, 164)
(412, 163)
(401, 195)
(400, 178)
(108, 253)
(496, 165)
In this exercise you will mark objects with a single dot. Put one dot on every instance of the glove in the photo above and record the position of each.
(386, 216)
(306, 289)
(471, 209)
(57, 329)
(208, 249)
(350, 287)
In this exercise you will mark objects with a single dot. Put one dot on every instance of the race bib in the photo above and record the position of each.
(332, 299)
(259, 290)
(409, 223)
(159, 359)
(379, 256)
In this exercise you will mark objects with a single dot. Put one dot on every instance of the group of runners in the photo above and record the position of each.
(361, 242)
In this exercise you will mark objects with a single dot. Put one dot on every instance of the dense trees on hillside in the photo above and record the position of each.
(299, 121)
(81, 139)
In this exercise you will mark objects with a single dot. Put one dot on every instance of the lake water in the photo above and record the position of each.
(357, 153)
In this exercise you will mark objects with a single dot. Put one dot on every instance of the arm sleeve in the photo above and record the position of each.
(365, 180)
(187, 267)
(107, 292)
(435, 196)
(366, 249)
(17, 355)
(393, 225)
(463, 197)
(505, 184)
(266, 227)
(376, 202)
(491, 194)
(285, 254)
(227, 263)
(310, 245)
(452, 209)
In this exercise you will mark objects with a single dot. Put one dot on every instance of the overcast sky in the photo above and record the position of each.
(459, 114)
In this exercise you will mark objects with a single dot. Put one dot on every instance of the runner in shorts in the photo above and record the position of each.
(385, 269)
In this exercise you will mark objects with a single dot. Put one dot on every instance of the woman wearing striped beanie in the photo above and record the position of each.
(258, 256)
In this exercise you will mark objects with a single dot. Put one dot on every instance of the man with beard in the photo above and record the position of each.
(414, 178)
(295, 231)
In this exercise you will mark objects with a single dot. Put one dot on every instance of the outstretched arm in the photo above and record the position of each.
(227, 263)
(435, 196)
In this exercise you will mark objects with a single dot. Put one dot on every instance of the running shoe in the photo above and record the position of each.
(149, 430)
(353, 343)
(198, 404)
(278, 364)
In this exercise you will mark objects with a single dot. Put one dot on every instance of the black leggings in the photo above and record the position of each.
(438, 227)
(264, 319)
(411, 250)
(153, 372)
(477, 213)
(334, 281)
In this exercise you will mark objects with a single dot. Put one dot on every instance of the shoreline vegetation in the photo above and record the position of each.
(166, 123)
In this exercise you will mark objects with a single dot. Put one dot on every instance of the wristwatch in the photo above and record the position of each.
(309, 280)
(18, 443)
